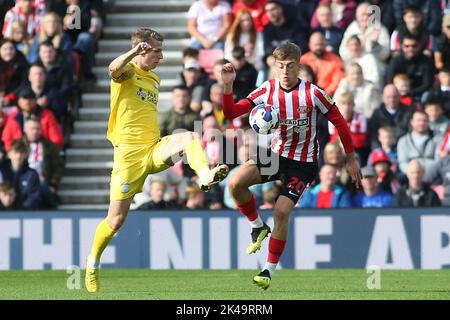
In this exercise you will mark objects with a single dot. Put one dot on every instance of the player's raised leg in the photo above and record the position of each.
(189, 143)
(117, 213)
(246, 176)
(277, 241)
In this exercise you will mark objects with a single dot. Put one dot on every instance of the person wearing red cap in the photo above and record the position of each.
(386, 178)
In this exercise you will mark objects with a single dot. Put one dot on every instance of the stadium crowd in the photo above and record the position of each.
(390, 79)
(389, 74)
(45, 62)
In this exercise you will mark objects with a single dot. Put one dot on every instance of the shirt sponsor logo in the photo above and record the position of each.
(147, 96)
(295, 122)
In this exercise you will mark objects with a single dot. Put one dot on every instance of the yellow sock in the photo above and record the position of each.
(103, 235)
(196, 157)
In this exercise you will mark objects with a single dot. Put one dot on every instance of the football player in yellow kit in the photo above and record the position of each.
(138, 148)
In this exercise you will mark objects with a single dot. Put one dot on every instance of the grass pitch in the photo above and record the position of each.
(228, 285)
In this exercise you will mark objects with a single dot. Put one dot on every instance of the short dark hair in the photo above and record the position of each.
(276, 2)
(410, 37)
(181, 87)
(190, 52)
(221, 62)
(411, 8)
(238, 53)
(432, 101)
(19, 145)
(47, 43)
(145, 35)
(36, 65)
(6, 186)
(419, 112)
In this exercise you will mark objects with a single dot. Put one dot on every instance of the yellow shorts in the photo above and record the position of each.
(132, 164)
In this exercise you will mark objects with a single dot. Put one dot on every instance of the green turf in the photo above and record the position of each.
(229, 285)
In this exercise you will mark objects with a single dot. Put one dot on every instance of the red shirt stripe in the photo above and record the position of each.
(296, 113)
(305, 148)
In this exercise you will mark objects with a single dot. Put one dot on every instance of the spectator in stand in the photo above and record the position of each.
(243, 34)
(373, 70)
(387, 143)
(8, 197)
(374, 36)
(23, 42)
(59, 74)
(444, 148)
(343, 13)
(192, 77)
(438, 121)
(417, 193)
(157, 202)
(256, 10)
(258, 190)
(430, 8)
(333, 35)
(442, 51)
(412, 26)
(52, 30)
(13, 69)
(283, 26)
(26, 12)
(412, 62)
(437, 174)
(176, 186)
(333, 155)
(387, 13)
(208, 23)
(442, 91)
(24, 179)
(213, 106)
(392, 113)
(356, 122)
(418, 144)
(245, 72)
(327, 66)
(195, 198)
(181, 116)
(327, 194)
(83, 39)
(403, 85)
(47, 97)
(386, 178)
(45, 159)
(364, 92)
(13, 130)
(5, 5)
(372, 196)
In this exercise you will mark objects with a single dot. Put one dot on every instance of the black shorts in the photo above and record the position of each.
(295, 176)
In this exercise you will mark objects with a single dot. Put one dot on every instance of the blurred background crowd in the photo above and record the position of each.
(385, 63)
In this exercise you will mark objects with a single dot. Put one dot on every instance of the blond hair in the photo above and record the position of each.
(346, 97)
(286, 51)
(57, 38)
(145, 35)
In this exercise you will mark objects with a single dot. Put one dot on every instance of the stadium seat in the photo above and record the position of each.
(207, 58)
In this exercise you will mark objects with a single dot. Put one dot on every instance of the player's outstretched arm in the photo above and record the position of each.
(230, 109)
(117, 67)
(352, 165)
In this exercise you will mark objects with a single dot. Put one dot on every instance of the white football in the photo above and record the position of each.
(263, 119)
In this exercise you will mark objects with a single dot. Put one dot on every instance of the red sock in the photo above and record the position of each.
(276, 248)
(248, 209)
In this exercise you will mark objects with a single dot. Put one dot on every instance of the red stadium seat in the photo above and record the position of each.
(207, 58)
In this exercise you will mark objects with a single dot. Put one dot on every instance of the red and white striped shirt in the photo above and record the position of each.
(31, 21)
(296, 136)
(358, 128)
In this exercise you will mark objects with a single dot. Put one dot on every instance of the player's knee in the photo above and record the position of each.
(281, 216)
(116, 222)
(234, 184)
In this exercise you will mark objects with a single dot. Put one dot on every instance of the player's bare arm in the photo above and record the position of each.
(117, 69)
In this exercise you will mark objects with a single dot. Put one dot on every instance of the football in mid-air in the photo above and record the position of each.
(263, 119)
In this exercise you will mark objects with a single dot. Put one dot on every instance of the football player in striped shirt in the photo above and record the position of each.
(294, 144)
